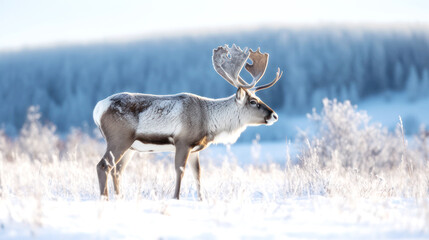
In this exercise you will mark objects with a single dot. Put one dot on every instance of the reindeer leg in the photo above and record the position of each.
(194, 162)
(182, 154)
(112, 156)
(119, 169)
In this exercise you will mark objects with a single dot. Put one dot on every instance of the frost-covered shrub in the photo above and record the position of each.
(422, 145)
(5, 145)
(347, 157)
(351, 157)
(345, 136)
(36, 140)
(80, 146)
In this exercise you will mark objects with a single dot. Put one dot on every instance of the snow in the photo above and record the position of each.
(294, 218)
(259, 216)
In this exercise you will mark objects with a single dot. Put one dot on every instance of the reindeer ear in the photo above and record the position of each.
(240, 96)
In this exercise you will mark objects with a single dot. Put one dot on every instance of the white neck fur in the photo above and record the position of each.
(224, 122)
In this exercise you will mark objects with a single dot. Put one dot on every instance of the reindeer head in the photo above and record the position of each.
(228, 62)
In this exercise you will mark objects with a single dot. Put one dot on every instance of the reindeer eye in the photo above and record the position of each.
(253, 102)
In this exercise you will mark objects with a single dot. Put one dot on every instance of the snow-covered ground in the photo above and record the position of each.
(293, 218)
(242, 200)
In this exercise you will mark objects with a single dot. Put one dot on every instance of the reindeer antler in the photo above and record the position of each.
(278, 76)
(230, 67)
(259, 64)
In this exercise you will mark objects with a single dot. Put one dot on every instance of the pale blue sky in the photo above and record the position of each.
(33, 23)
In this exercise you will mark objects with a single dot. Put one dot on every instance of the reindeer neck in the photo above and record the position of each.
(224, 121)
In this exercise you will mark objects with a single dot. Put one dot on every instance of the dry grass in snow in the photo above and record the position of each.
(351, 179)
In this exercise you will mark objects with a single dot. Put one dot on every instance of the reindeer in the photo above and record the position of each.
(183, 123)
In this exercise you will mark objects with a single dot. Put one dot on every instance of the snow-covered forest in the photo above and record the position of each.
(336, 62)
